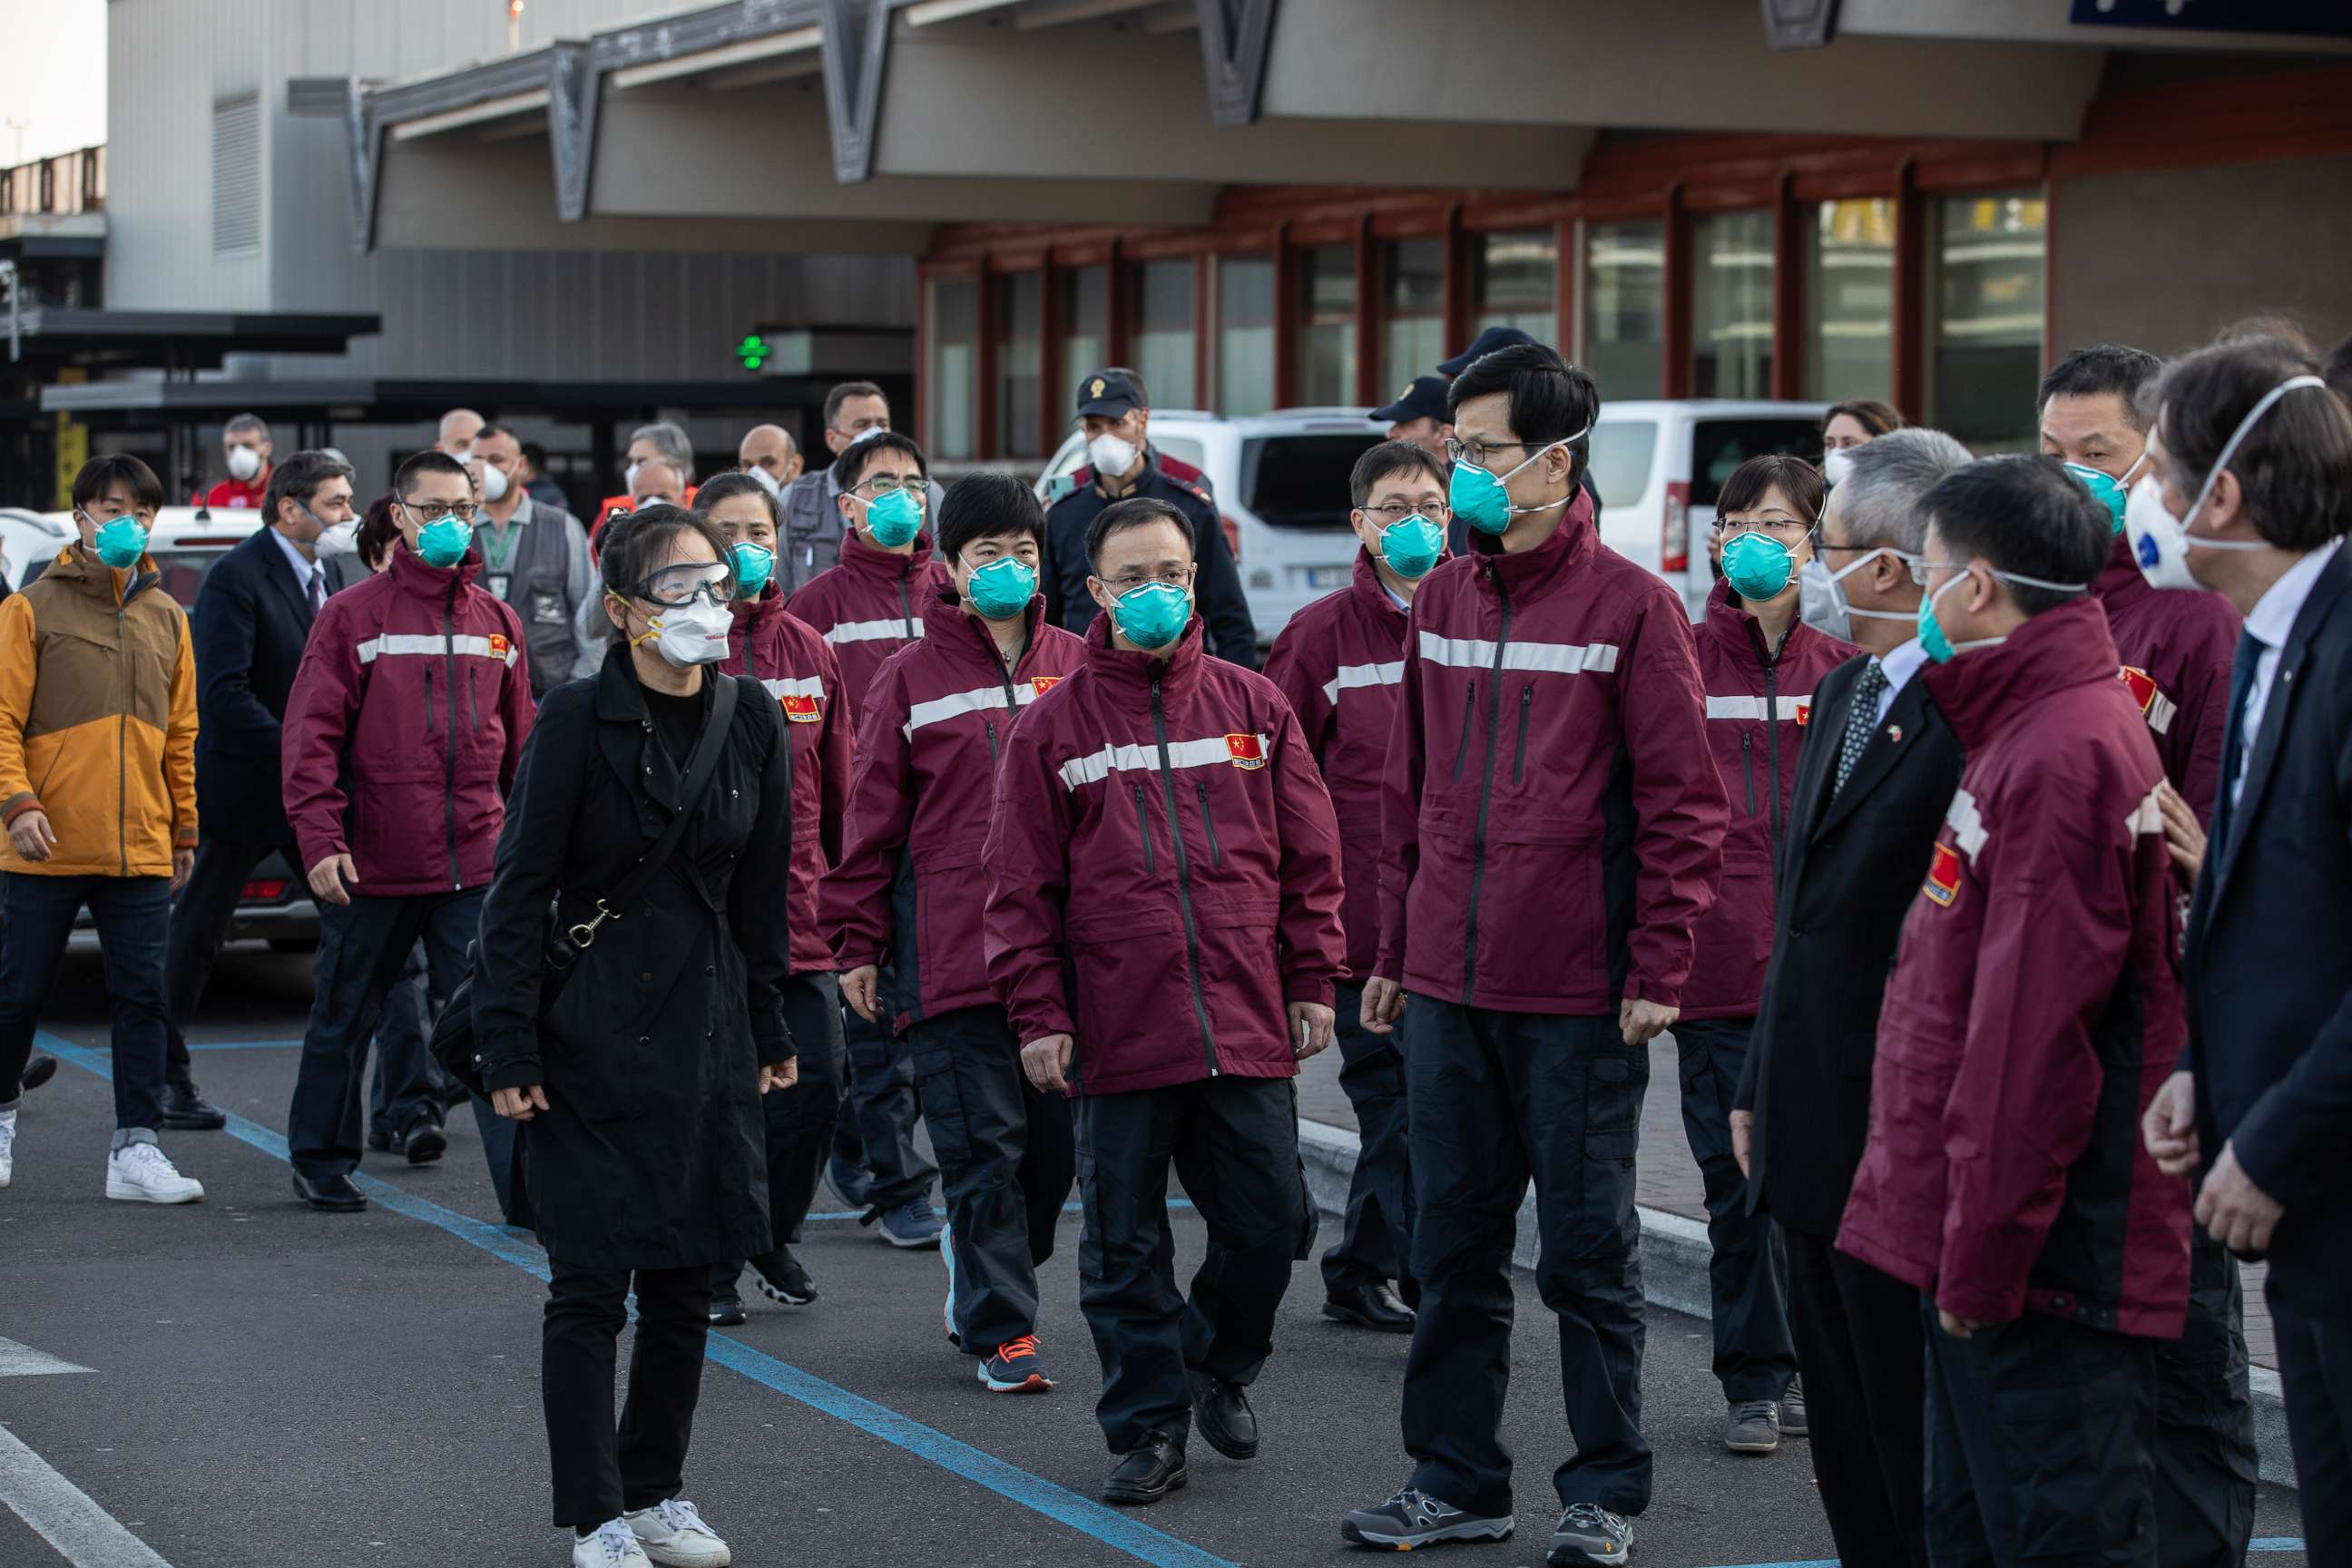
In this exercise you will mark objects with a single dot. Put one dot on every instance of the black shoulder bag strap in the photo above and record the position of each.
(565, 948)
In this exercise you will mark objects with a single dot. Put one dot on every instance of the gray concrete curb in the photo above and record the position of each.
(1674, 1254)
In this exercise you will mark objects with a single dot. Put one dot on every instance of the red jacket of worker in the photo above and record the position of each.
(1758, 712)
(405, 724)
(800, 672)
(238, 495)
(1339, 662)
(2034, 1010)
(610, 504)
(1552, 821)
(2176, 649)
(1163, 871)
(911, 887)
(869, 604)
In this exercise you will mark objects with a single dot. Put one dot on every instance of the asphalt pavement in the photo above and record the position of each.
(242, 1382)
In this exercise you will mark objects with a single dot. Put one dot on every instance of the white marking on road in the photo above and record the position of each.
(23, 1360)
(62, 1514)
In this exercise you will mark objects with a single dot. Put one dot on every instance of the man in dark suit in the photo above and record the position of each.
(252, 615)
(1874, 781)
(2248, 463)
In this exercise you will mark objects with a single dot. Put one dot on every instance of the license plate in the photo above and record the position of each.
(1327, 576)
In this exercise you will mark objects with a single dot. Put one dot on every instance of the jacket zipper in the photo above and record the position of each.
(429, 719)
(991, 744)
(1469, 708)
(473, 698)
(1748, 766)
(906, 606)
(1143, 829)
(1485, 796)
(1527, 704)
(1183, 881)
(1209, 825)
(450, 740)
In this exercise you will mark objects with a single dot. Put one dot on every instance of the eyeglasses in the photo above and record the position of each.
(1175, 577)
(1919, 569)
(1787, 530)
(463, 510)
(884, 485)
(1475, 452)
(673, 586)
(1397, 511)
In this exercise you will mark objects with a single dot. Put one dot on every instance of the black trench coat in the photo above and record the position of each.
(650, 1154)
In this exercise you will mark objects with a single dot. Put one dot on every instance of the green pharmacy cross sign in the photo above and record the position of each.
(752, 351)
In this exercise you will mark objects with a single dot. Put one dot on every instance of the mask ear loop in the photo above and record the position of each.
(653, 626)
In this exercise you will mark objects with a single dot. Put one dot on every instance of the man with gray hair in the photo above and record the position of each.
(1873, 785)
(663, 440)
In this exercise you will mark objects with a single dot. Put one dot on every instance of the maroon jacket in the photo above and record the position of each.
(404, 727)
(1552, 821)
(869, 606)
(1757, 759)
(1163, 871)
(930, 731)
(1339, 662)
(2176, 649)
(780, 652)
(2034, 1010)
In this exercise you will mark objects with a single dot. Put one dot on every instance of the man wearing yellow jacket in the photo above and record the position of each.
(98, 791)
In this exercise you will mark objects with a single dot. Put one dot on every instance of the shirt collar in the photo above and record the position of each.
(521, 512)
(1901, 664)
(303, 570)
(2274, 614)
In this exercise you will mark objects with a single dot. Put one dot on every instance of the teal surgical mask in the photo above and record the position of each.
(1153, 614)
(1757, 565)
(2110, 492)
(120, 542)
(895, 520)
(1411, 545)
(1480, 498)
(445, 541)
(754, 565)
(1003, 588)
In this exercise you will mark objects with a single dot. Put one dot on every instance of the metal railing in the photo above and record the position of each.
(62, 182)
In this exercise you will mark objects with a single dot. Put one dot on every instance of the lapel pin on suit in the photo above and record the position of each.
(1895, 731)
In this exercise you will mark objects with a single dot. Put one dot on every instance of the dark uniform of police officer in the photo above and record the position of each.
(1419, 415)
(1217, 586)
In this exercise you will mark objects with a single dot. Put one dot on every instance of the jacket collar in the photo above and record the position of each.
(867, 561)
(753, 613)
(1736, 629)
(965, 637)
(1372, 593)
(1102, 486)
(97, 580)
(1129, 673)
(414, 578)
(2119, 582)
(1981, 689)
(1531, 573)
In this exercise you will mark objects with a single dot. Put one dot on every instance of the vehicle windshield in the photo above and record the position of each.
(1622, 453)
(1719, 446)
(182, 572)
(1301, 481)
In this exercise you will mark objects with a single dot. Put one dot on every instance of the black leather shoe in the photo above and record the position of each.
(1221, 1411)
(384, 1140)
(1147, 1473)
(39, 1070)
(426, 1142)
(1374, 1307)
(185, 1110)
(331, 1195)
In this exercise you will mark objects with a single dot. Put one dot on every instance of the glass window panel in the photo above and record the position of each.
(1245, 335)
(1624, 307)
(1020, 312)
(1516, 283)
(1412, 324)
(1986, 337)
(1162, 333)
(1731, 305)
(1085, 326)
(1849, 300)
(1326, 324)
(951, 389)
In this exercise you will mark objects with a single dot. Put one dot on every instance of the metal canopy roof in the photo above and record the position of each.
(355, 400)
(178, 339)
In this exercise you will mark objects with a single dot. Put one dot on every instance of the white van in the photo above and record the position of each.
(1659, 465)
(1280, 479)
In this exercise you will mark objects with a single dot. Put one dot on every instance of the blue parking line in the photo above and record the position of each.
(1035, 1492)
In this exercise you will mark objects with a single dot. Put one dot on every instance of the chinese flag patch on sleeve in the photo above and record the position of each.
(1943, 883)
(1804, 712)
(498, 646)
(1247, 752)
(2140, 684)
(801, 708)
(1042, 684)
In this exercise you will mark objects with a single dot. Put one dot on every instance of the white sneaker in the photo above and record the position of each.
(614, 1545)
(674, 1535)
(144, 1174)
(7, 1147)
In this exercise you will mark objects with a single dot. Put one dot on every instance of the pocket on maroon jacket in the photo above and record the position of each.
(1539, 914)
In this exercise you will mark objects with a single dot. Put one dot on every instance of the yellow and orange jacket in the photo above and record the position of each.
(98, 719)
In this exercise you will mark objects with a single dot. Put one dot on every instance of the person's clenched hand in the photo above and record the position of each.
(1383, 1006)
(2168, 1126)
(1641, 1022)
(1310, 1028)
(2234, 1211)
(519, 1104)
(1046, 1061)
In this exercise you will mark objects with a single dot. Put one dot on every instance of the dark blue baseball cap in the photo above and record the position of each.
(1490, 340)
(1110, 392)
(1423, 399)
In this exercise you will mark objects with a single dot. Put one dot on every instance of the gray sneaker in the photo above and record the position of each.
(1413, 1519)
(1752, 1428)
(1792, 1411)
(1586, 1534)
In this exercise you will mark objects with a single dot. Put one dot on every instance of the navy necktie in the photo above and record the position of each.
(2233, 743)
(1860, 721)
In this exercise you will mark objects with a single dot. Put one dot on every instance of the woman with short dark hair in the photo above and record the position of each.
(637, 1084)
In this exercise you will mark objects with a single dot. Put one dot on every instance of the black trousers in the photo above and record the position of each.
(1377, 1241)
(1234, 1145)
(2315, 1357)
(361, 947)
(602, 1470)
(1857, 1337)
(2207, 1465)
(130, 914)
(1499, 1099)
(876, 1133)
(1008, 1157)
(2040, 1446)
(1748, 1275)
(797, 1123)
(200, 921)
